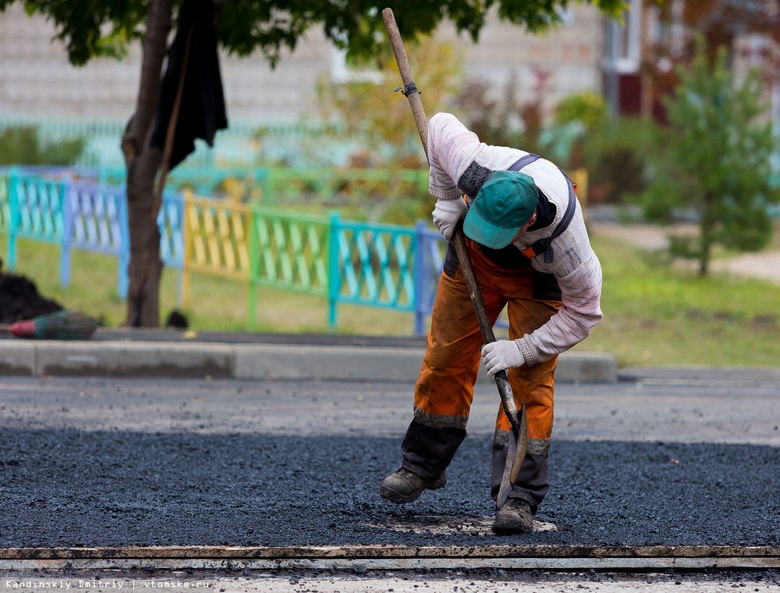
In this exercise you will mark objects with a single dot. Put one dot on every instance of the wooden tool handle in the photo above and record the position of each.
(410, 88)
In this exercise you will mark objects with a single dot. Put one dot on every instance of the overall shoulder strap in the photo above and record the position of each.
(544, 245)
(523, 161)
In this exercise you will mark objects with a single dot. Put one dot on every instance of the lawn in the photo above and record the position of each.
(653, 315)
(657, 315)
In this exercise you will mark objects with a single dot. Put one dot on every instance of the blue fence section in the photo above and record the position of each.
(95, 219)
(82, 215)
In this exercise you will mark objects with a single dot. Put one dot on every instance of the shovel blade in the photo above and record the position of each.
(516, 450)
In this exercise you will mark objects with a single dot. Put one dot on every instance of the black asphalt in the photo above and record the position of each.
(67, 487)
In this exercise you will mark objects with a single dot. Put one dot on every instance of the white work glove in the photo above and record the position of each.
(500, 355)
(447, 215)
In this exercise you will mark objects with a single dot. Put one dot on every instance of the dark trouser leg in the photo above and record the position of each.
(428, 451)
(534, 387)
(532, 483)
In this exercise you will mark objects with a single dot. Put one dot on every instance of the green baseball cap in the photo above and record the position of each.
(506, 201)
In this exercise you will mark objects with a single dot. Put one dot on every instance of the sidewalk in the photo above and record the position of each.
(166, 353)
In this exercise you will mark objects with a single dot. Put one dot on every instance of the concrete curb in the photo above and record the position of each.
(249, 361)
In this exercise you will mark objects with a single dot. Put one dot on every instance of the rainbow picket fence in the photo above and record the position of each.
(344, 261)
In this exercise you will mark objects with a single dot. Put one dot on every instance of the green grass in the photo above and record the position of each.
(215, 303)
(653, 315)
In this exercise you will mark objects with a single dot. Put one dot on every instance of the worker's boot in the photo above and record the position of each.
(406, 486)
(513, 518)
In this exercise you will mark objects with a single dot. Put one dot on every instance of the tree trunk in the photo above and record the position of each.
(704, 258)
(143, 161)
(145, 269)
(707, 227)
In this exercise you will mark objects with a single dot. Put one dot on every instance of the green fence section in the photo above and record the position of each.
(345, 261)
(372, 265)
(289, 251)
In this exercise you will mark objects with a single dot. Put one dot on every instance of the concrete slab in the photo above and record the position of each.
(381, 364)
(17, 357)
(332, 363)
(267, 361)
(586, 368)
(133, 359)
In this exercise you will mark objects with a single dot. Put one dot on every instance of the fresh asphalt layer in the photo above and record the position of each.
(674, 459)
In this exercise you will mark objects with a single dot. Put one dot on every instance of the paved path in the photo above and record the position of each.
(764, 265)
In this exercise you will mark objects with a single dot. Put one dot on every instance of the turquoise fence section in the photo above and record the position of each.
(36, 208)
(274, 186)
(372, 265)
(35, 212)
(201, 180)
(244, 144)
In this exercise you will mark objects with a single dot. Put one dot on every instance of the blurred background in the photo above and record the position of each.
(310, 213)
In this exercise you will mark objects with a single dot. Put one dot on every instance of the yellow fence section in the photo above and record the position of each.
(216, 239)
(579, 177)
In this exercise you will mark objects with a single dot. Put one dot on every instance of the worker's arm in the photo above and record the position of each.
(581, 311)
(451, 149)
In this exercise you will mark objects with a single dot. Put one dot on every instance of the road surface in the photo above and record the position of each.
(665, 458)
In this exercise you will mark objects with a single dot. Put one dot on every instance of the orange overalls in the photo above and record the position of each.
(445, 385)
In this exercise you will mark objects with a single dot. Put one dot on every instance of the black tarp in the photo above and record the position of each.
(202, 111)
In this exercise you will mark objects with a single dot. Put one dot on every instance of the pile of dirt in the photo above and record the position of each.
(20, 299)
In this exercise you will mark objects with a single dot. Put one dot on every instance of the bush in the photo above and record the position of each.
(615, 155)
(22, 146)
(587, 108)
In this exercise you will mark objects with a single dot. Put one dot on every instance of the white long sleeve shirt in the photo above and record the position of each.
(460, 163)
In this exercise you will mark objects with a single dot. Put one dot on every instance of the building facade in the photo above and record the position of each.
(37, 82)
